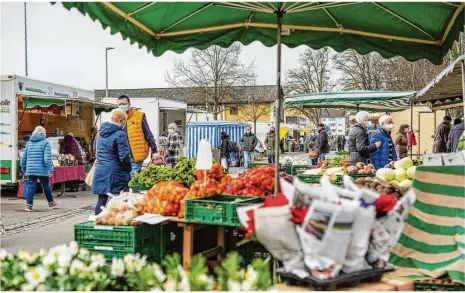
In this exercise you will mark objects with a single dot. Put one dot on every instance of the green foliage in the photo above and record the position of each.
(68, 268)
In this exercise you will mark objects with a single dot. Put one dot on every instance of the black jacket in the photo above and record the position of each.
(225, 145)
(359, 145)
(322, 141)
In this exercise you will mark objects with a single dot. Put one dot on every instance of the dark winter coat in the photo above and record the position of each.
(113, 163)
(454, 137)
(225, 146)
(440, 138)
(37, 157)
(359, 145)
(380, 158)
(322, 142)
(270, 143)
(402, 145)
(69, 145)
(249, 141)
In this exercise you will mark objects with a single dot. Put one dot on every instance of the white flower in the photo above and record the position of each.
(49, 259)
(42, 252)
(247, 286)
(36, 275)
(27, 287)
(3, 254)
(76, 267)
(83, 254)
(23, 255)
(233, 285)
(184, 284)
(23, 266)
(128, 258)
(97, 261)
(139, 263)
(158, 273)
(202, 279)
(170, 285)
(117, 267)
(251, 274)
(73, 248)
(61, 271)
(41, 288)
(64, 258)
(156, 289)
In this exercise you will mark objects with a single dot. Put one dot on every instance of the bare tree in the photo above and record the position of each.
(251, 105)
(360, 72)
(311, 76)
(213, 73)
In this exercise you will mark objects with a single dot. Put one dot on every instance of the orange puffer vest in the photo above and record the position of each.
(137, 143)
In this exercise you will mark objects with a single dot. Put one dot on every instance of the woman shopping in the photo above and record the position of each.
(173, 146)
(36, 164)
(402, 141)
(113, 164)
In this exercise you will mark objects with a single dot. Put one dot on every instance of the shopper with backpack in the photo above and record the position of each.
(225, 150)
(248, 141)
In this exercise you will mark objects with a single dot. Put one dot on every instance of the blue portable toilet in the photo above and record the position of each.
(210, 130)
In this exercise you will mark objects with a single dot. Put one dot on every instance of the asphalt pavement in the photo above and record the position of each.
(43, 228)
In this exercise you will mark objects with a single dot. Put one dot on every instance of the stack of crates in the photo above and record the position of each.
(117, 241)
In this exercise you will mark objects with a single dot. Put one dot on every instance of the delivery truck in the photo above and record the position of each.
(26, 103)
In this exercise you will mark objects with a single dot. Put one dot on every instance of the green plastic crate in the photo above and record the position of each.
(315, 179)
(296, 169)
(256, 164)
(117, 241)
(437, 285)
(218, 209)
(356, 176)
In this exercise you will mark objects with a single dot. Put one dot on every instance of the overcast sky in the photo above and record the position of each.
(67, 48)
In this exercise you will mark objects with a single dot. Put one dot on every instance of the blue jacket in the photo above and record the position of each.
(37, 157)
(113, 163)
(380, 158)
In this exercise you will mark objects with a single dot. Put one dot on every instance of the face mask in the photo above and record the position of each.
(388, 127)
(170, 130)
(125, 108)
(248, 132)
(368, 123)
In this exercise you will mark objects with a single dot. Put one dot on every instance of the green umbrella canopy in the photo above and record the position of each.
(378, 101)
(414, 30)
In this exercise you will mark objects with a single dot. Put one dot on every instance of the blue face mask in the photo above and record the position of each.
(125, 108)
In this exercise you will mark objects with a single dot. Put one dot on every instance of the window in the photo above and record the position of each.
(233, 110)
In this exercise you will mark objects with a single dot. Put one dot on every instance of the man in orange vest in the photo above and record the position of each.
(139, 135)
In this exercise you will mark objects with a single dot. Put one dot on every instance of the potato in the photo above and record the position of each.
(361, 171)
(368, 179)
(373, 185)
(371, 166)
(360, 165)
(360, 181)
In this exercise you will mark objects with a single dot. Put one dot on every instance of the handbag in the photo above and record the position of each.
(90, 175)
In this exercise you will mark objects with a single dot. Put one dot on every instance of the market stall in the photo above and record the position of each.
(59, 116)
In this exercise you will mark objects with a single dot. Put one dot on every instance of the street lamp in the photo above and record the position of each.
(106, 69)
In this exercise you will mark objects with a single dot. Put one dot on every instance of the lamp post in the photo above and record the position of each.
(106, 69)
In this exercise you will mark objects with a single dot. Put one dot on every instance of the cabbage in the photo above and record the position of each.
(400, 174)
(394, 182)
(385, 174)
(411, 172)
(406, 183)
(404, 163)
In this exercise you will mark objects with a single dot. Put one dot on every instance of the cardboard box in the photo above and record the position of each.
(433, 160)
(453, 159)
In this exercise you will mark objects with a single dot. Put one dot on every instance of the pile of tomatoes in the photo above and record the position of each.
(164, 198)
(258, 181)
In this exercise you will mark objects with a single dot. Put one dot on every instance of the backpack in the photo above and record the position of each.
(231, 147)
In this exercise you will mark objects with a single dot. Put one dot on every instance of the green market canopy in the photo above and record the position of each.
(445, 90)
(379, 101)
(31, 102)
(414, 30)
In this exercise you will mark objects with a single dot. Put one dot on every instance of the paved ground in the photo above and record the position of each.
(43, 228)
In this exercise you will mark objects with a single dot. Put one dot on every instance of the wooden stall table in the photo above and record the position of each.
(189, 229)
(62, 174)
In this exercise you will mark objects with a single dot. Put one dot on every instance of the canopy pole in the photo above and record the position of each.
(463, 85)
(278, 100)
(411, 124)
